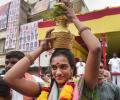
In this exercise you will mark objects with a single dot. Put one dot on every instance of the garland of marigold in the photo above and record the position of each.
(66, 93)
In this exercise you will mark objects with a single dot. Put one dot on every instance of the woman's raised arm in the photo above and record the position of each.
(93, 44)
(94, 54)
(14, 77)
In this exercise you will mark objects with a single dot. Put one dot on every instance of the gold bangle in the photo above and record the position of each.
(30, 58)
(83, 29)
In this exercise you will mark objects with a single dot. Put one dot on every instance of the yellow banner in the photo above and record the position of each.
(100, 25)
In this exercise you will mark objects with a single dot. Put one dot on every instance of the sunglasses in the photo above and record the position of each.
(12, 62)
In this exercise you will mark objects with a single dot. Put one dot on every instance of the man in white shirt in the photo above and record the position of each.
(80, 67)
(114, 66)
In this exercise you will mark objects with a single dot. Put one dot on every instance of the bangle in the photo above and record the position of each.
(30, 58)
(83, 29)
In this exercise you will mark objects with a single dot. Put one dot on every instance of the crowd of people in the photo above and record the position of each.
(65, 79)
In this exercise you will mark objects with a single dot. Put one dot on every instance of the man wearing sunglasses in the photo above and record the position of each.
(11, 59)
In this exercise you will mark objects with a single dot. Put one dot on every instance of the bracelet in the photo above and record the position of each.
(30, 58)
(83, 29)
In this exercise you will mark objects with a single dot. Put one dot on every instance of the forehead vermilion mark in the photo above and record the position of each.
(57, 63)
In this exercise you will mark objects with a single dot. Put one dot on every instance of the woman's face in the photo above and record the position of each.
(61, 69)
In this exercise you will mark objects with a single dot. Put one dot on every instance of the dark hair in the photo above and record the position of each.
(15, 54)
(67, 53)
(4, 88)
(47, 71)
